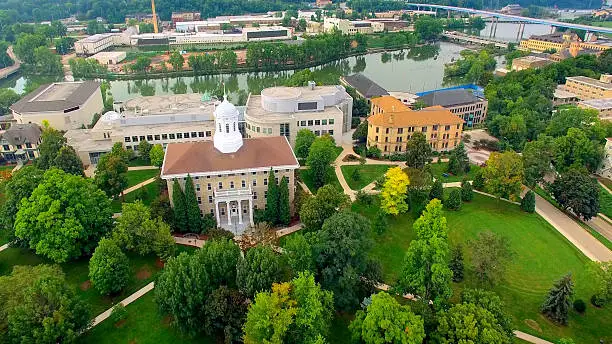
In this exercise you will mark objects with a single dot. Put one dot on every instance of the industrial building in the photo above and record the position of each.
(94, 44)
(106, 58)
(364, 86)
(215, 24)
(64, 105)
(348, 27)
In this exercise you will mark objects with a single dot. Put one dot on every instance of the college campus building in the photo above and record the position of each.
(586, 88)
(230, 173)
(364, 86)
(157, 120)
(565, 45)
(20, 142)
(391, 124)
(465, 103)
(348, 27)
(283, 111)
(530, 62)
(64, 105)
(602, 106)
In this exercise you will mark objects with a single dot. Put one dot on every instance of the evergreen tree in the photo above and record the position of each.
(284, 208)
(193, 214)
(559, 300)
(479, 181)
(272, 200)
(180, 207)
(528, 202)
(454, 200)
(456, 263)
(458, 162)
(437, 190)
(467, 192)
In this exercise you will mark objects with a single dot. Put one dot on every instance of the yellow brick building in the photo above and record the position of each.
(563, 40)
(391, 124)
(587, 88)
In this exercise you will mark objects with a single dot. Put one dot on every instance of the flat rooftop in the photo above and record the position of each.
(283, 92)
(560, 93)
(590, 82)
(57, 97)
(95, 38)
(599, 104)
(190, 103)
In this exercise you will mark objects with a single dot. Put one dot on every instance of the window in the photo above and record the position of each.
(331, 131)
(186, 135)
(231, 185)
(172, 137)
(209, 186)
(142, 138)
(303, 123)
(284, 130)
(197, 187)
(399, 139)
(331, 121)
(386, 139)
(18, 146)
(208, 133)
(28, 145)
(194, 134)
(387, 131)
(265, 181)
(424, 129)
(149, 137)
(164, 136)
(324, 122)
(435, 127)
(258, 129)
(254, 182)
(266, 194)
(179, 135)
(200, 134)
(377, 129)
(254, 195)
(244, 184)
(210, 199)
(220, 185)
(127, 139)
(447, 127)
(199, 200)
(157, 137)
(135, 138)
(307, 106)
(317, 122)
(310, 122)
(400, 130)
(376, 138)
(317, 133)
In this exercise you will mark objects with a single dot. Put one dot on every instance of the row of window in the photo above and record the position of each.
(311, 122)
(158, 137)
(232, 185)
(434, 145)
(8, 147)
(259, 129)
(210, 199)
(433, 136)
(412, 129)
(235, 174)
(467, 108)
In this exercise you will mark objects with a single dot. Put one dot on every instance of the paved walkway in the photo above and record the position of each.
(4, 247)
(141, 168)
(604, 186)
(189, 241)
(289, 230)
(100, 318)
(601, 224)
(577, 235)
(138, 186)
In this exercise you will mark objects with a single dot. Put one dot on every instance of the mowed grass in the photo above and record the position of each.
(146, 194)
(136, 177)
(307, 177)
(605, 202)
(541, 257)
(144, 324)
(367, 174)
(439, 169)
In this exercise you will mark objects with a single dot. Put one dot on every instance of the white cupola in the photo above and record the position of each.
(227, 138)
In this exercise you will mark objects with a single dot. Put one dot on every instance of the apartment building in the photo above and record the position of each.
(20, 143)
(391, 124)
(586, 88)
(461, 102)
(283, 111)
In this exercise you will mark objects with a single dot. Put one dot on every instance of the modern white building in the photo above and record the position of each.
(64, 105)
(198, 38)
(230, 174)
(94, 44)
(283, 111)
(106, 58)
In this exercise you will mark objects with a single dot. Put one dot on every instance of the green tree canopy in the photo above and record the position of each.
(490, 256)
(52, 141)
(418, 151)
(504, 174)
(575, 190)
(109, 269)
(320, 157)
(258, 270)
(68, 161)
(559, 300)
(194, 216)
(303, 141)
(18, 187)
(156, 155)
(111, 172)
(315, 210)
(469, 323)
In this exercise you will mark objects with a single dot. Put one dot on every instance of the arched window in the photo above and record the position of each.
(227, 128)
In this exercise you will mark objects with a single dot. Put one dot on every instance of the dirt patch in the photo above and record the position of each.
(133, 341)
(533, 325)
(350, 158)
(166, 321)
(120, 323)
(86, 285)
(159, 263)
(143, 273)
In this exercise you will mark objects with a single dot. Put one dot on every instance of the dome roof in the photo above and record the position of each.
(110, 117)
(226, 110)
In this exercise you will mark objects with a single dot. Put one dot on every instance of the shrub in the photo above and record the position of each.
(380, 223)
(528, 202)
(397, 157)
(364, 197)
(454, 200)
(467, 193)
(437, 190)
(118, 313)
(598, 301)
(456, 263)
(479, 182)
(580, 306)
(374, 153)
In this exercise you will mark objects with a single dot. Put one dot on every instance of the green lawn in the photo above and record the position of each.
(607, 182)
(135, 177)
(605, 202)
(306, 177)
(541, 256)
(7, 167)
(367, 174)
(147, 194)
(138, 162)
(439, 169)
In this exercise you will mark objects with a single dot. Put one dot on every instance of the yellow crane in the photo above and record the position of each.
(155, 29)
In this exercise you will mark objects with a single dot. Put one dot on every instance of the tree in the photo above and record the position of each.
(490, 255)
(194, 216)
(45, 62)
(425, 270)
(68, 161)
(437, 190)
(136, 230)
(144, 149)
(467, 193)
(27, 44)
(386, 321)
(324, 204)
(303, 141)
(272, 199)
(428, 28)
(479, 182)
(576, 149)
(64, 217)
(19, 186)
(176, 60)
(180, 208)
(528, 202)
(109, 269)
(492, 303)
(298, 254)
(361, 133)
(320, 157)
(469, 323)
(576, 191)
(341, 251)
(559, 300)
(142, 64)
(7, 98)
(504, 174)
(298, 312)
(64, 45)
(393, 194)
(454, 200)
(602, 275)
(225, 312)
(51, 142)
(537, 159)
(258, 270)
(111, 174)
(156, 155)
(456, 263)
(418, 151)
(49, 312)
(459, 163)
(573, 117)
(284, 207)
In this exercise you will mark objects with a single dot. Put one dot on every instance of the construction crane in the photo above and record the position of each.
(155, 29)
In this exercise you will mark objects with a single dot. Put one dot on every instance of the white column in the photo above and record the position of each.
(240, 212)
(251, 211)
(217, 212)
(229, 213)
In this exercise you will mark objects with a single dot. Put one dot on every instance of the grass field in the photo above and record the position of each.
(135, 177)
(541, 256)
(306, 177)
(147, 194)
(439, 169)
(605, 202)
(367, 174)
(138, 162)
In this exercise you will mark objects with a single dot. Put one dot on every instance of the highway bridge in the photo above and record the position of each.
(460, 37)
(8, 71)
(508, 17)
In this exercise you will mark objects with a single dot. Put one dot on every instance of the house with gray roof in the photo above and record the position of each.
(20, 142)
(64, 105)
(364, 86)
